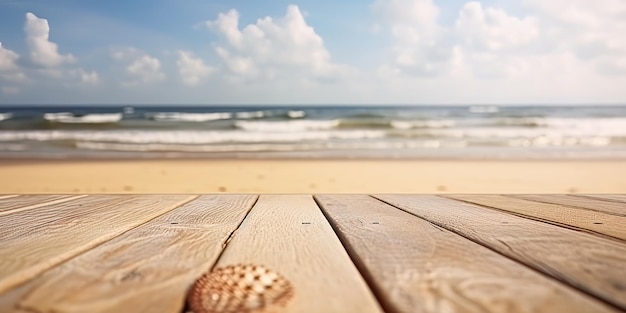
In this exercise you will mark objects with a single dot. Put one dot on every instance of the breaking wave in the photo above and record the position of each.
(188, 117)
(5, 116)
(185, 136)
(66, 117)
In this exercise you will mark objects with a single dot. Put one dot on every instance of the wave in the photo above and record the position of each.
(545, 141)
(296, 123)
(296, 114)
(197, 148)
(250, 115)
(188, 117)
(394, 124)
(374, 123)
(506, 126)
(5, 116)
(422, 124)
(616, 124)
(484, 109)
(286, 126)
(608, 126)
(265, 147)
(185, 136)
(358, 116)
(66, 117)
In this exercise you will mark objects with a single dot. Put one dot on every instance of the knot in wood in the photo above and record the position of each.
(239, 288)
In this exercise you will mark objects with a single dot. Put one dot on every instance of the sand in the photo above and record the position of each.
(311, 176)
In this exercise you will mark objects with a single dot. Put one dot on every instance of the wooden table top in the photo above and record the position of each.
(313, 253)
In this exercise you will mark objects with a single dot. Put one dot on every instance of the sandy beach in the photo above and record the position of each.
(311, 176)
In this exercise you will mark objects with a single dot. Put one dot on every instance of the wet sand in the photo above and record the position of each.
(311, 176)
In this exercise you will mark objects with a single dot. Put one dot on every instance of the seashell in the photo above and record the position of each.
(239, 288)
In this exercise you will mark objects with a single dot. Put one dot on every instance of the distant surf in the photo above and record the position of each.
(67, 117)
(315, 131)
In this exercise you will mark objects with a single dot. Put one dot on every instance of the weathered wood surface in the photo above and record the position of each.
(618, 198)
(147, 269)
(590, 263)
(577, 218)
(27, 202)
(610, 207)
(416, 266)
(35, 240)
(141, 253)
(290, 235)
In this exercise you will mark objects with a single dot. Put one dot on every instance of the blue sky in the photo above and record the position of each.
(317, 52)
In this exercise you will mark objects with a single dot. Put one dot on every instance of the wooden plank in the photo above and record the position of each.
(289, 235)
(35, 240)
(147, 269)
(7, 196)
(16, 202)
(617, 198)
(415, 266)
(589, 263)
(609, 207)
(27, 202)
(580, 219)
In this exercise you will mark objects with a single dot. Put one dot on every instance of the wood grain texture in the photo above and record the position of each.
(147, 269)
(616, 198)
(587, 262)
(610, 207)
(418, 267)
(35, 240)
(7, 196)
(577, 218)
(27, 202)
(289, 235)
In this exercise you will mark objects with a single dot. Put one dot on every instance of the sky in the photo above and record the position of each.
(313, 52)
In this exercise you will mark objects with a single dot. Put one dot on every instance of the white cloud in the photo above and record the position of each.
(126, 53)
(493, 29)
(42, 51)
(416, 13)
(192, 69)
(564, 52)
(141, 68)
(9, 69)
(593, 30)
(495, 44)
(145, 69)
(8, 59)
(285, 48)
(420, 46)
(85, 77)
(487, 42)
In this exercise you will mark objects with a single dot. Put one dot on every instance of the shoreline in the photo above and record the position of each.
(310, 176)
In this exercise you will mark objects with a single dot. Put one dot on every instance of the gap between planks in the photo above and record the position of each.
(38, 205)
(580, 219)
(586, 203)
(619, 198)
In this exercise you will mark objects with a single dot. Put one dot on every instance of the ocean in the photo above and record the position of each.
(427, 132)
